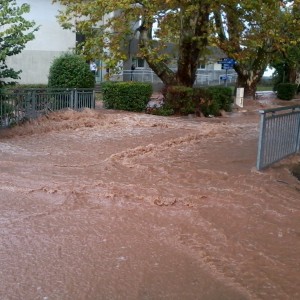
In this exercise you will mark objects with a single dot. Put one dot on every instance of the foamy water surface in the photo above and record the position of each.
(112, 205)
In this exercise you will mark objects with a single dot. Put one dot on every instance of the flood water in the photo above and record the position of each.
(114, 205)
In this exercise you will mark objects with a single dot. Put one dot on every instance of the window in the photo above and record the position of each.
(201, 66)
(138, 62)
(80, 38)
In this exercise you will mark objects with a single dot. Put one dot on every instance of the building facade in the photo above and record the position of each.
(50, 42)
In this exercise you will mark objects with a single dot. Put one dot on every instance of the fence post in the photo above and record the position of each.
(298, 135)
(28, 105)
(261, 140)
(34, 104)
(71, 103)
(93, 104)
(75, 99)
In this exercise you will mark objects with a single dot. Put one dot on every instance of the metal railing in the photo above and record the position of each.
(147, 75)
(279, 134)
(21, 104)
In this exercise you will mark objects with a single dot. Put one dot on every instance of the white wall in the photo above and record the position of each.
(50, 41)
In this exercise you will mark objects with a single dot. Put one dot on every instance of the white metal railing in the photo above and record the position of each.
(229, 78)
(147, 75)
(279, 134)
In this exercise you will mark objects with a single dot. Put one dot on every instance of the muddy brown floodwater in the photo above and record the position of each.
(114, 205)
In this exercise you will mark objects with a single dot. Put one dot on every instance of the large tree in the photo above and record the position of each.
(154, 23)
(287, 59)
(15, 32)
(245, 30)
(250, 32)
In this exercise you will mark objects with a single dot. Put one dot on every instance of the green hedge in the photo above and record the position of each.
(30, 86)
(286, 91)
(222, 96)
(129, 96)
(180, 99)
(208, 101)
(205, 103)
(70, 71)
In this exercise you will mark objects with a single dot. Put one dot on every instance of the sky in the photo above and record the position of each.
(269, 72)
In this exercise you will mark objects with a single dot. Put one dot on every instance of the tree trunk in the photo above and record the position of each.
(249, 75)
(166, 75)
(159, 67)
(292, 74)
(249, 83)
(192, 45)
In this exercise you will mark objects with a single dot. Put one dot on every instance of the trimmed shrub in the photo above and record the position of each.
(164, 110)
(210, 100)
(129, 96)
(70, 71)
(204, 102)
(286, 91)
(222, 96)
(30, 86)
(183, 100)
(180, 99)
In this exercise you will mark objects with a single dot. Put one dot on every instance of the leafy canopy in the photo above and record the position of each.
(110, 27)
(246, 30)
(15, 32)
(70, 71)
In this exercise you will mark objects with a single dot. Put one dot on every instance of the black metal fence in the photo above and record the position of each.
(21, 104)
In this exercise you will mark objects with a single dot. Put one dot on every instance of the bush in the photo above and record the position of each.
(6, 109)
(70, 71)
(29, 86)
(184, 100)
(180, 99)
(286, 91)
(210, 100)
(129, 96)
(204, 103)
(222, 96)
(164, 110)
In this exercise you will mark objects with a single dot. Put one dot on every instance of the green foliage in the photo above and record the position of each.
(15, 32)
(6, 108)
(30, 86)
(281, 74)
(286, 91)
(70, 71)
(164, 110)
(285, 59)
(222, 96)
(185, 23)
(180, 99)
(208, 101)
(204, 103)
(248, 31)
(129, 96)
